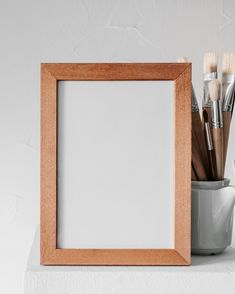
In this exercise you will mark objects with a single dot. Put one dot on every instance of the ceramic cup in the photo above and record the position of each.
(212, 216)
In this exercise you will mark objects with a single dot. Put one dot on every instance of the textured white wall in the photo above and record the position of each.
(81, 31)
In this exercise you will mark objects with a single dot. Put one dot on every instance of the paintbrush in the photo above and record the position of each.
(228, 85)
(214, 88)
(210, 64)
(209, 143)
(197, 162)
(199, 151)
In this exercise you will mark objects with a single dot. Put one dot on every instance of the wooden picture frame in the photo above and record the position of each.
(180, 74)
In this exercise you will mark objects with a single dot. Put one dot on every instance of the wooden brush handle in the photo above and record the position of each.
(197, 160)
(217, 137)
(200, 144)
(212, 162)
(226, 127)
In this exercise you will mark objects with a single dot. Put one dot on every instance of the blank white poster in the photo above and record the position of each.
(115, 164)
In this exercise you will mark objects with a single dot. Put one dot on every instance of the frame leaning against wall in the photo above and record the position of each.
(180, 74)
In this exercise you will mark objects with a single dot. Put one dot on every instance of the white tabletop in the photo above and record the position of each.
(212, 274)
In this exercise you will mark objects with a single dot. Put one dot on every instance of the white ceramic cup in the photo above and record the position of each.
(212, 216)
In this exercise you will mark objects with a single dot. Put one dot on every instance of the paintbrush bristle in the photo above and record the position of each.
(210, 62)
(229, 63)
(182, 59)
(214, 89)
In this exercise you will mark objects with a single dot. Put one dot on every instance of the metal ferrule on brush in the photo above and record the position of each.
(206, 97)
(195, 107)
(208, 137)
(216, 114)
(228, 85)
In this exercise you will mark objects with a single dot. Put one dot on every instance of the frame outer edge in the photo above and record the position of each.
(50, 255)
(48, 164)
(183, 164)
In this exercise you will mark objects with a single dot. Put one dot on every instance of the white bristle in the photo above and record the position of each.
(182, 60)
(214, 89)
(229, 63)
(210, 62)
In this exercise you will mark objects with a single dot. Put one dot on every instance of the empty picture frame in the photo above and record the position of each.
(116, 164)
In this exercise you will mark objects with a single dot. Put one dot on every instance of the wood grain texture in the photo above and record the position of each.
(183, 128)
(48, 163)
(116, 257)
(181, 74)
(115, 71)
(227, 117)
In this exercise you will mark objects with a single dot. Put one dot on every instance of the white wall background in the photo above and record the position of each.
(32, 32)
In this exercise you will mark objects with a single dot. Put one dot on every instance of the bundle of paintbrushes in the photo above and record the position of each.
(211, 125)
